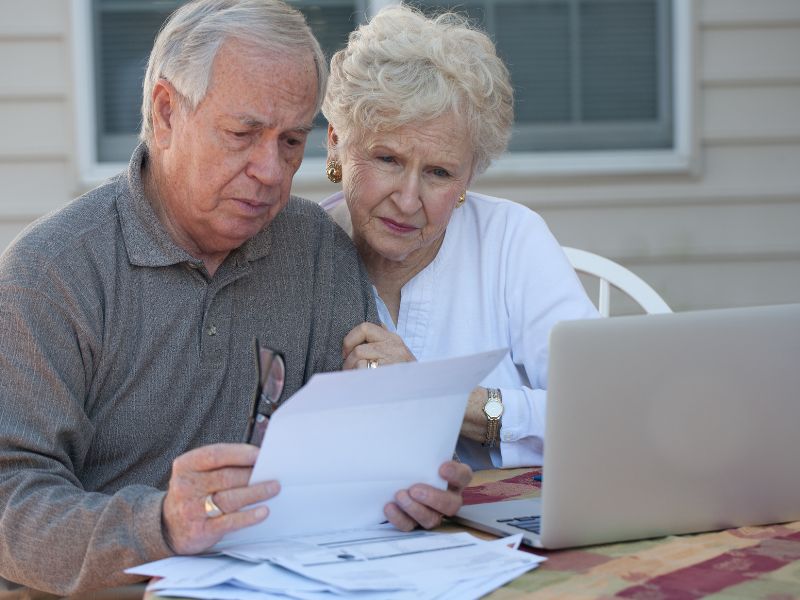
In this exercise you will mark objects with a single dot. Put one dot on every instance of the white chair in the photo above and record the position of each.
(610, 273)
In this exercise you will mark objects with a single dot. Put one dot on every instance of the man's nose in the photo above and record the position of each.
(265, 163)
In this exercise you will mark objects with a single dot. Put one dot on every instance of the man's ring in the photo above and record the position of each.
(372, 363)
(212, 510)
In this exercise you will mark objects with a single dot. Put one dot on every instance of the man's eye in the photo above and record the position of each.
(386, 159)
(439, 172)
(239, 134)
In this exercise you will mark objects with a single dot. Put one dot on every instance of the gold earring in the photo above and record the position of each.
(334, 171)
(461, 199)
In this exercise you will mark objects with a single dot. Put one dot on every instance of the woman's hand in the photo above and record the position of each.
(369, 342)
(424, 505)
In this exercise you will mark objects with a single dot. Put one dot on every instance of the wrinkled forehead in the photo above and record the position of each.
(445, 134)
(250, 79)
(252, 64)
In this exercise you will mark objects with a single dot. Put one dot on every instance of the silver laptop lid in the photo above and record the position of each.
(676, 423)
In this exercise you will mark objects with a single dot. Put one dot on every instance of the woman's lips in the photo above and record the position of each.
(395, 226)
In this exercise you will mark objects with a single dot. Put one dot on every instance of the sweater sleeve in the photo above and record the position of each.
(56, 536)
(343, 297)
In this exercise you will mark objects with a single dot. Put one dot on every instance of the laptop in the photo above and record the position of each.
(664, 424)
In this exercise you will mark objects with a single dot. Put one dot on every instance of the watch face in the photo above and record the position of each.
(493, 410)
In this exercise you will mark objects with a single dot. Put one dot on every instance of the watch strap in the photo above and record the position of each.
(493, 423)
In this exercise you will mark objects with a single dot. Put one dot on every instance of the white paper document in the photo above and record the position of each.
(344, 444)
(378, 564)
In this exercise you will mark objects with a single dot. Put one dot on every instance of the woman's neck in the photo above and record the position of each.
(389, 276)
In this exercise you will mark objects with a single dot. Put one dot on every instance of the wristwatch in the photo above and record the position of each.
(493, 409)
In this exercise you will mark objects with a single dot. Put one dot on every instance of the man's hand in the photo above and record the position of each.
(221, 471)
(424, 505)
(369, 342)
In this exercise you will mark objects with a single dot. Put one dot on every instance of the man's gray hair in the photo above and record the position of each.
(404, 68)
(189, 40)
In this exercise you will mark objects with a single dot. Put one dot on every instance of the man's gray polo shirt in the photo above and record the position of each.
(118, 353)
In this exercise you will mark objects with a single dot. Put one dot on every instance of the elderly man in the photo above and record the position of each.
(128, 317)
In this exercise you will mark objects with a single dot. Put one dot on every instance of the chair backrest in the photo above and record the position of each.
(610, 273)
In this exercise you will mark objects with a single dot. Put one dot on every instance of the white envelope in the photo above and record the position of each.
(348, 440)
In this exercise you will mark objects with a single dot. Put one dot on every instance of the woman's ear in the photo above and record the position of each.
(333, 139)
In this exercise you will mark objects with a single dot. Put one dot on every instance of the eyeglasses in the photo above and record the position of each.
(271, 378)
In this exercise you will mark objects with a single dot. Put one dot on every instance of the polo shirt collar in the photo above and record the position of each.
(147, 242)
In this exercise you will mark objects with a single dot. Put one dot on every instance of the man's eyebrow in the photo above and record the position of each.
(250, 121)
(255, 123)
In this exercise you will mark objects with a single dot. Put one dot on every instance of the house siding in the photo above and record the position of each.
(36, 168)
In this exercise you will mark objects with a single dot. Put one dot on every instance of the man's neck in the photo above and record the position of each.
(153, 186)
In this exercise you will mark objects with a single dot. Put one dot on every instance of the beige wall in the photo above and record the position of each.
(725, 234)
(36, 143)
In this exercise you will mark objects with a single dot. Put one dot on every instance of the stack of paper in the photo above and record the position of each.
(380, 563)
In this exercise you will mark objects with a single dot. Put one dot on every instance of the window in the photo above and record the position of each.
(590, 76)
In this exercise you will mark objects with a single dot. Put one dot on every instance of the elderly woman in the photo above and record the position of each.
(418, 108)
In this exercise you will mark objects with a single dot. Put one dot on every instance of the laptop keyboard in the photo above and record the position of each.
(530, 523)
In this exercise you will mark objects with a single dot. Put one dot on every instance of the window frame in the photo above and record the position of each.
(513, 166)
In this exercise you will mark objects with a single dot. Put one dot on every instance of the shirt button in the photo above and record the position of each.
(212, 330)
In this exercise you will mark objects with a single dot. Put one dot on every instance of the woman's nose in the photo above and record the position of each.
(407, 196)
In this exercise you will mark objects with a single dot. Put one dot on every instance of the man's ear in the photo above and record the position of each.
(165, 110)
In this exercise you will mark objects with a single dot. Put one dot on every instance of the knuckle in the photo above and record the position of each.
(233, 478)
(452, 508)
(179, 463)
(434, 522)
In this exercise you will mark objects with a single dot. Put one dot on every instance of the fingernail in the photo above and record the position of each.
(261, 512)
(272, 488)
(448, 471)
(419, 494)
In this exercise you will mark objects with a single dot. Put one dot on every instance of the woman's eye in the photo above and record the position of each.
(386, 159)
(239, 135)
(441, 172)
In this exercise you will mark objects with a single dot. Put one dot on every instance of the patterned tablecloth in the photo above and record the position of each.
(750, 562)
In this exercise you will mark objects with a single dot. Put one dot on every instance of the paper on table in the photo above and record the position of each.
(347, 441)
(408, 566)
(201, 572)
(457, 557)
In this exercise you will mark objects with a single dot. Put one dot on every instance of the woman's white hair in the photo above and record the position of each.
(403, 67)
(189, 40)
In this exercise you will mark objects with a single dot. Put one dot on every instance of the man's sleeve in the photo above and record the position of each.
(343, 297)
(54, 535)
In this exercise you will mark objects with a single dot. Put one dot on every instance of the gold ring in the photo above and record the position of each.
(212, 510)
(372, 363)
